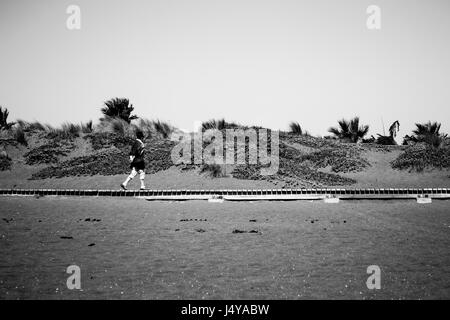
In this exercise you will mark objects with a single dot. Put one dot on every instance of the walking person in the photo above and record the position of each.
(137, 161)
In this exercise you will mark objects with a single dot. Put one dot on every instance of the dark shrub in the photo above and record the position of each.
(19, 136)
(350, 131)
(213, 170)
(422, 156)
(295, 128)
(119, 108)
(4, 124)
(5, 163)
(47, 153)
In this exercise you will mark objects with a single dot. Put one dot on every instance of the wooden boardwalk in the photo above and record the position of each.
(244, 195)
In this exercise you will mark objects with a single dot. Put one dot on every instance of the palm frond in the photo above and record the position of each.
(119, 108)
(295, 128)
(350, 130)
(4, 124)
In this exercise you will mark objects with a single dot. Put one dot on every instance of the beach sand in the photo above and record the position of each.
(172, 250)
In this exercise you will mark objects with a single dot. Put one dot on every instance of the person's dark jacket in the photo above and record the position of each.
(137, 150)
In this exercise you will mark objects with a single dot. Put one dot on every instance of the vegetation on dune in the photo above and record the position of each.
(111, 140)
(155, 128)
(68, 131)
(307, 140)
(116, 126)
(4, 124)
(150, 128)
(104, 140)
(295, 128)
(339, 159)
(87, 127)
(300, 169)
(158, 155)
(220, 124)
(422, 156)
(5, 162)
(119, 108)
(301, 156)
(162, 128)
(110, 159)
(212, 170)
(292, 175)
(350, 131)
(427, 148)
(33, 126)
(105, 162)
(427, 133)
(19, 136)
(48, 153)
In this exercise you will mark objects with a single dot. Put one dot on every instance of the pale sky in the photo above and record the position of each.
(255, 62)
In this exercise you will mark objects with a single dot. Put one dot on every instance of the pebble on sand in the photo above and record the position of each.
(244, 231)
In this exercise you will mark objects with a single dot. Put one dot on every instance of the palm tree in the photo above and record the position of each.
(428, 133)
(4, 113)
(119, 108)
(350, 130)
(426, 129)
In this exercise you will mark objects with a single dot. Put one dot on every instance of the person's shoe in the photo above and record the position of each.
(123, 186)
(142, 188)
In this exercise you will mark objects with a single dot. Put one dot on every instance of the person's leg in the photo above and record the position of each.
(142, 177)
(129, 178)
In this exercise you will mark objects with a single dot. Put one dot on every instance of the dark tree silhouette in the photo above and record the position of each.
(350, 130)
(428, 133)
(119, 108)
(295, 128)
(4, 124)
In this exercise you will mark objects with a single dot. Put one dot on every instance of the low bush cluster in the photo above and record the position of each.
(421, 156)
